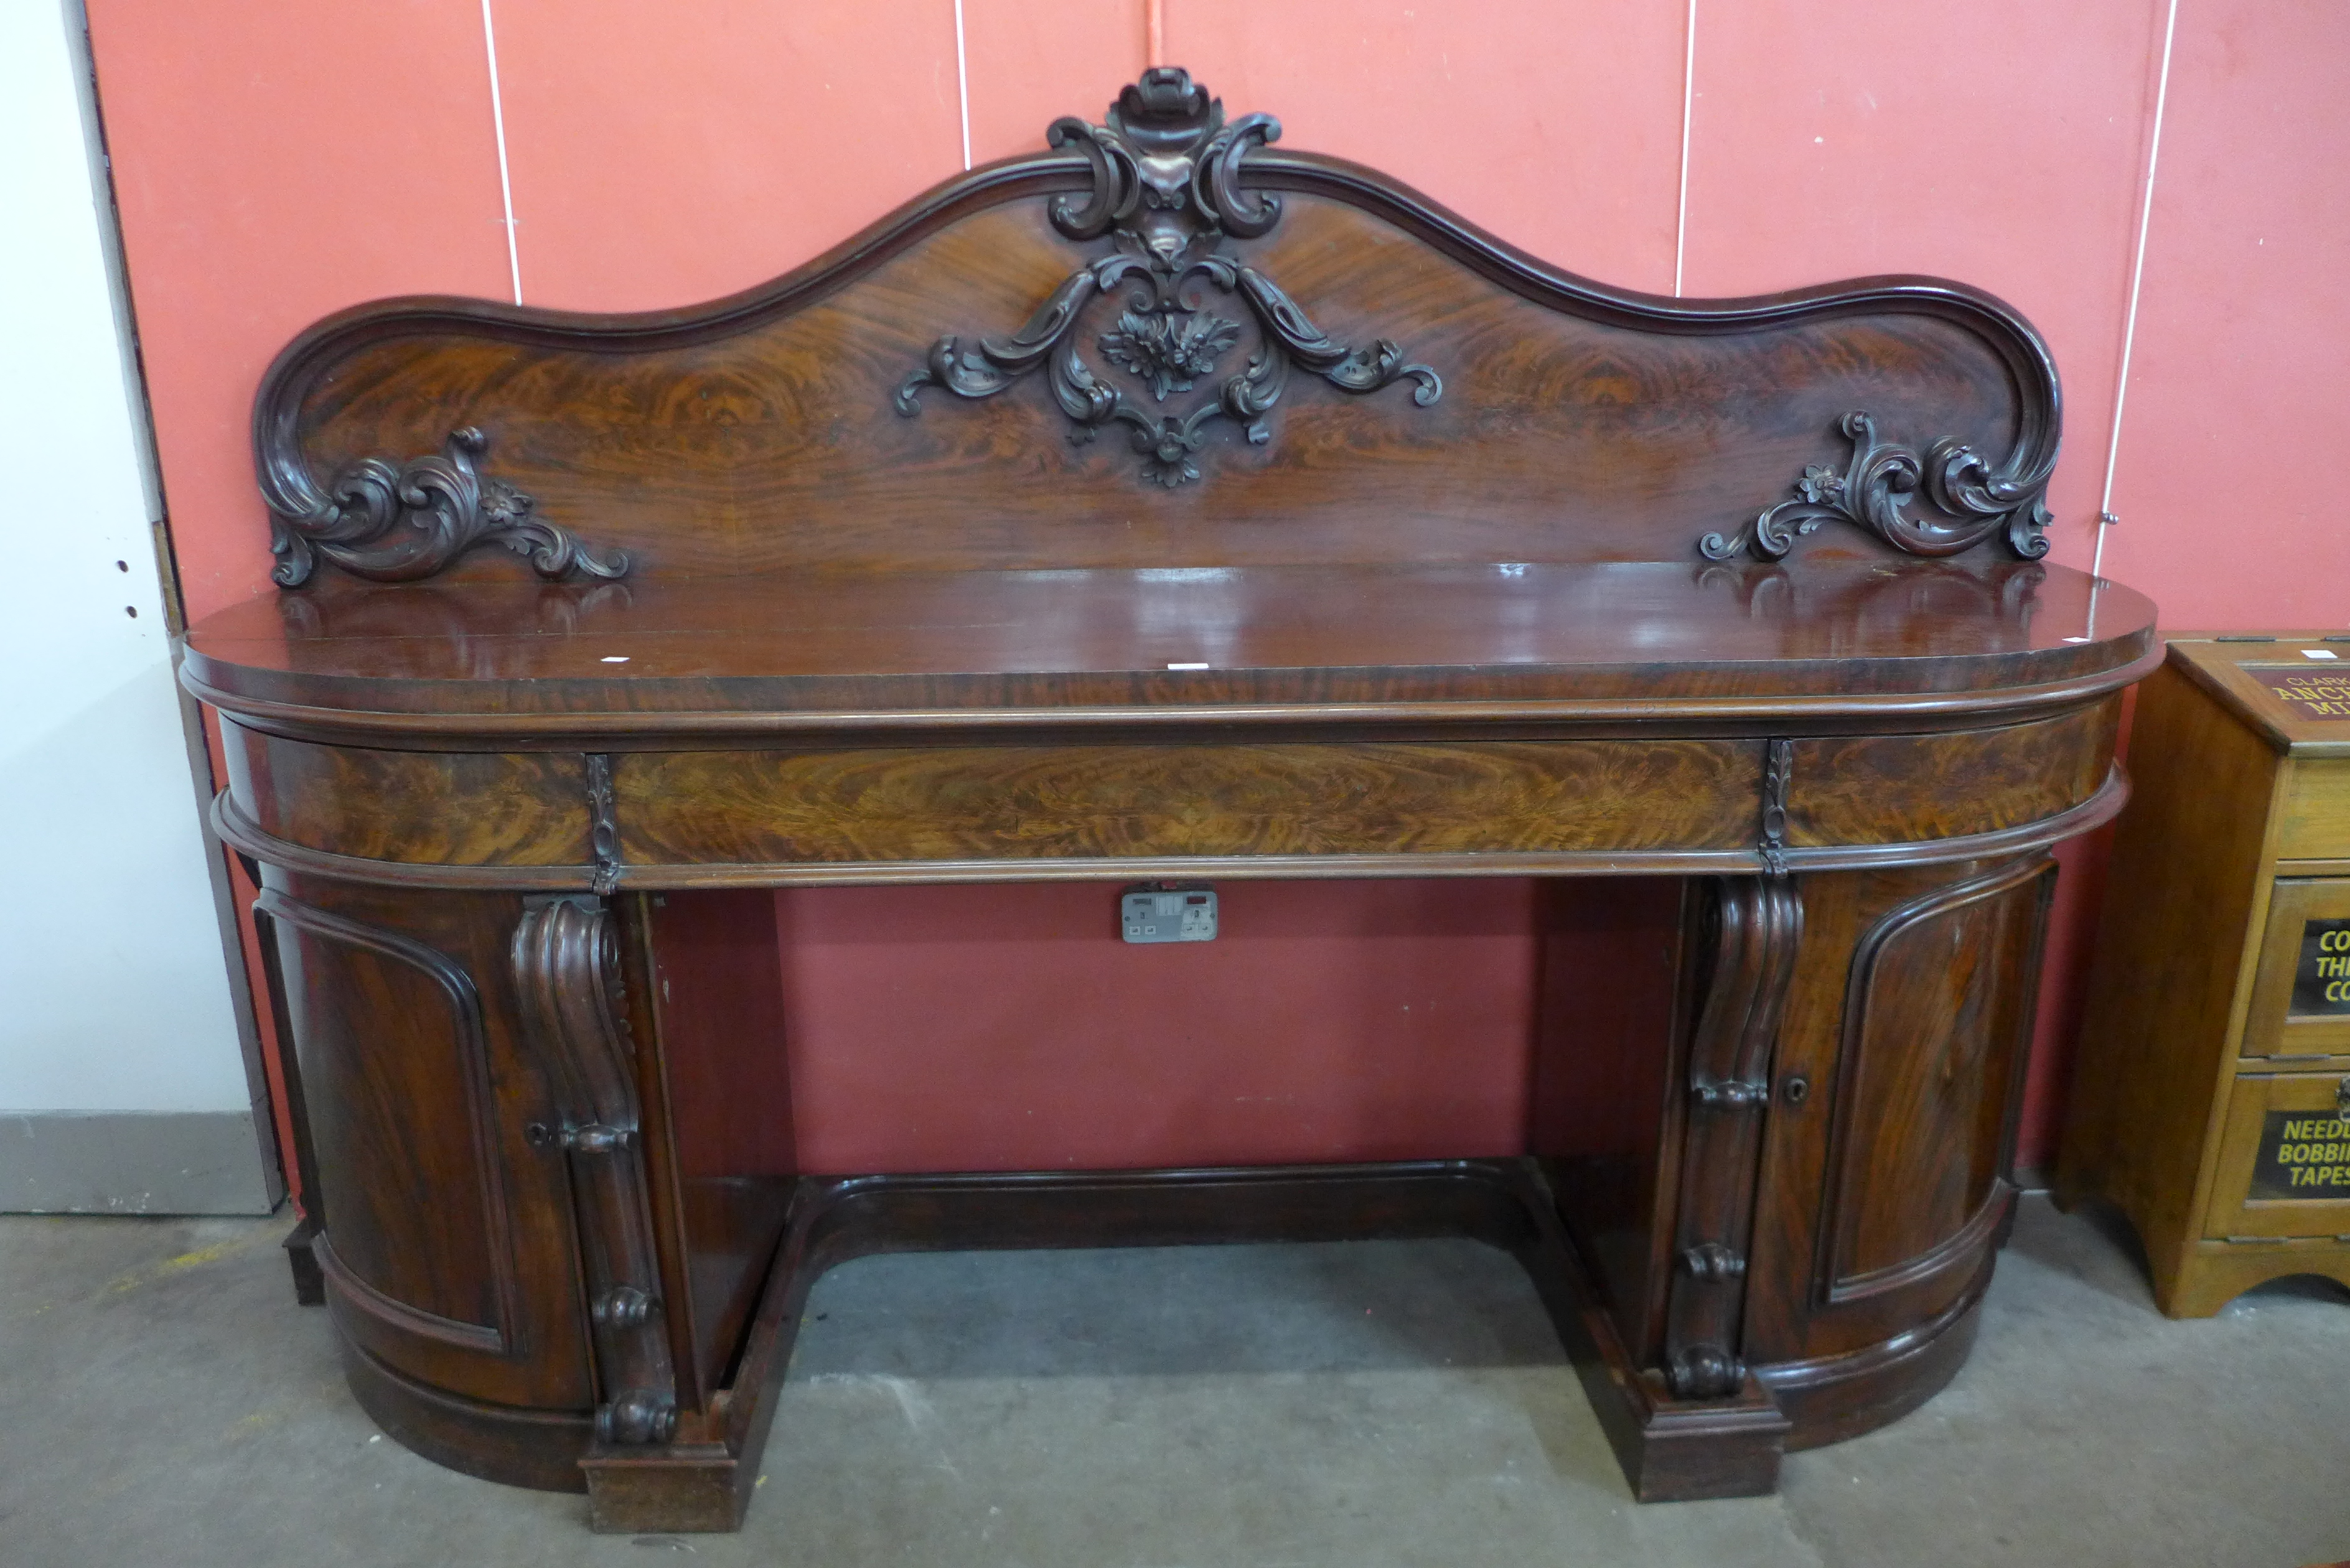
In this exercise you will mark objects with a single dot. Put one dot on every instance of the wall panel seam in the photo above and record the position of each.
(2106, 518)
(498, 128)
(1688, 99)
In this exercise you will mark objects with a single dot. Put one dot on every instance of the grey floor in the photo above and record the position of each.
(163, 1401)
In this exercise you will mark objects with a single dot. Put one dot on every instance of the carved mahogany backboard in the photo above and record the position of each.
(1262, 357)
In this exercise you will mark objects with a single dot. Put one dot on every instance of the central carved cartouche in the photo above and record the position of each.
(1167, 191)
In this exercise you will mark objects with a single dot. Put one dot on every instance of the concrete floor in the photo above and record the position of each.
(163, 1401)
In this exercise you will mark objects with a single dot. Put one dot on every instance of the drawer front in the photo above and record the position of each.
(1865, 789)
(2314, 821)
(1056, 802)
(908, 805)
(2284, 1157)
(2301, 995)
(418, 808)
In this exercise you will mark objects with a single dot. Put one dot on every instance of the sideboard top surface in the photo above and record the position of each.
(1847, 634)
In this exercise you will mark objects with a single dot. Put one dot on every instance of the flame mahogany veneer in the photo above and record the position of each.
(1160, 505)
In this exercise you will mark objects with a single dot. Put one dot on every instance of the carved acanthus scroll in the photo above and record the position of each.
(1778, 773)
(1883, 478)
(603, 825)
(395, 525)
(1166, 188)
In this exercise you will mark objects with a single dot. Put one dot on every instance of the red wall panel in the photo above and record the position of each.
(2241, 333)
(1030, 65)
(661, 157)
(1009, 1028)
(273, 163)
(1553, 123)
(276, 162)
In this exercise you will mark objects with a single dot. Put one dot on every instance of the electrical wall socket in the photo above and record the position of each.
(1152, 913)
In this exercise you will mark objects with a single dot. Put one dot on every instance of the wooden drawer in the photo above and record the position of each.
(1031, 803)
(2315, 818)
(2284, 1157)
(1863, 789)
(2301, 999)
(428, 809)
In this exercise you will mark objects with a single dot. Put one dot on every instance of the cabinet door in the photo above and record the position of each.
(445, 1236)
(2301, 1001)
(2284, 1157)
(1935, 1026)
(1885, 1182)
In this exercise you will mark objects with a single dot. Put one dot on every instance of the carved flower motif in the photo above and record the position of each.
(503, 504)
(1166, 454)
(1169, 351)
(1820, 485)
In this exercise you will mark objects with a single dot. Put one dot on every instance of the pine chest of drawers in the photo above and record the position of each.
(2211, 1103)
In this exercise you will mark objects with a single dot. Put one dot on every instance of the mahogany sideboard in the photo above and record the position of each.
(1163, 504)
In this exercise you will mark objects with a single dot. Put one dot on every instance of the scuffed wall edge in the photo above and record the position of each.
(132, 1162)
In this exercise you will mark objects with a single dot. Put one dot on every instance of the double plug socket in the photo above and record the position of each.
(1168, 912)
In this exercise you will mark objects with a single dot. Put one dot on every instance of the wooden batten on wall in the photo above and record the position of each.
(1559, 127)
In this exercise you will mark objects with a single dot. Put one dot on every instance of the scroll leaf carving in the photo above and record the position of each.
(1778, 772)
(1167, 189)
(397, 524)
(1877, 489)
(603, 825)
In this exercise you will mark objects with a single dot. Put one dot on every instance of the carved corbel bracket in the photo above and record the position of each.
(1756, 924)
(1167, 190)
(1973, 501)
(566, 969)
(395, 525)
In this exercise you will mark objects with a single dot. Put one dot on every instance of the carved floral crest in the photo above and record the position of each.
(1167, 190)
(1169, 351)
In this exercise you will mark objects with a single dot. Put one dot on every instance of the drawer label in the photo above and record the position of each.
(2321, 981)
(2304, 1155)
(2313, 695)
